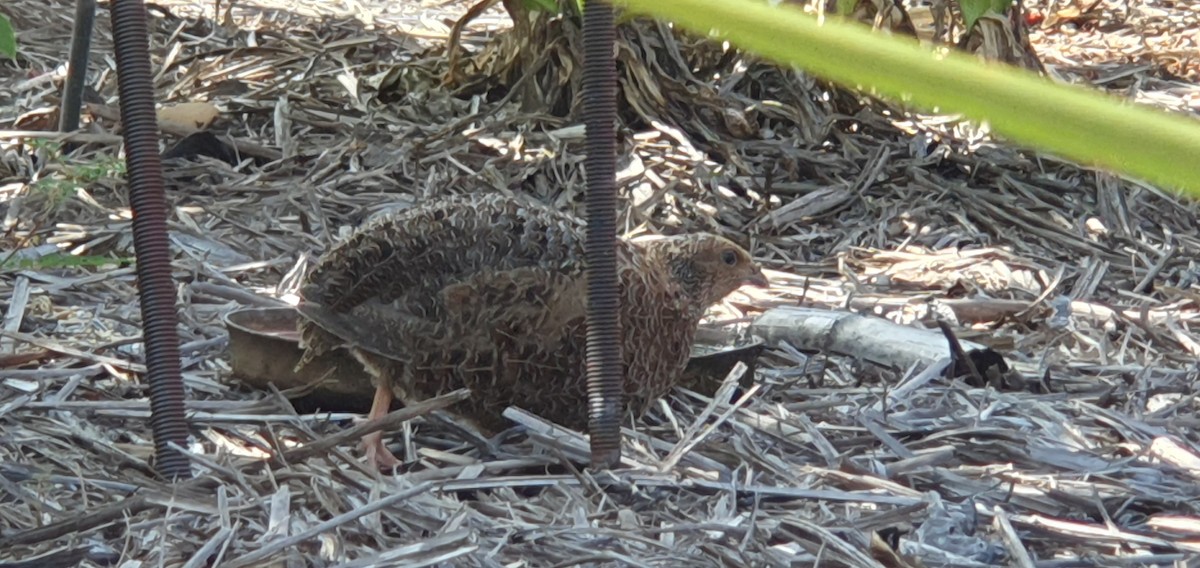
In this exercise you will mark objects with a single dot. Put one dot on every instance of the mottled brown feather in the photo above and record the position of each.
(489, 293)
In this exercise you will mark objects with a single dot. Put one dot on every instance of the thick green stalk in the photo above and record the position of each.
(1074, 122)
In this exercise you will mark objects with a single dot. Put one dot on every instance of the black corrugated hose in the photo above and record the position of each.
(156, 291)
(604, 372)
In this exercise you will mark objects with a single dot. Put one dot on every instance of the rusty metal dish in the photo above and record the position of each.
(264, 348)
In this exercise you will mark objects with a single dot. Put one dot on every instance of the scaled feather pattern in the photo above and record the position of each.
(488, 292)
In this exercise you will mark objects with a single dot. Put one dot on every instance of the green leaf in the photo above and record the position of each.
(63, 260)
(1071, 121)
(541, 5)
(972, 10)
(569, 7)
(8, 39)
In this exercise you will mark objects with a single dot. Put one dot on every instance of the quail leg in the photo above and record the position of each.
(377, 453)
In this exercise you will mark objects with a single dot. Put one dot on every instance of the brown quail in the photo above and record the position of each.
(488, 292)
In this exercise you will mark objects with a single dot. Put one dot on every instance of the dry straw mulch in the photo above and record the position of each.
(1084, 280)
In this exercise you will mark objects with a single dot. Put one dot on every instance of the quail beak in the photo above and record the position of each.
(757, 279)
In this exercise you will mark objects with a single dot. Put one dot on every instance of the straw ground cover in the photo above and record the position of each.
(1083, 280)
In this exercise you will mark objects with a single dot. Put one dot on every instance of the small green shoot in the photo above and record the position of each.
(8, 38)
(48, 146)
(101, 168)
(552, 6)
(541, 5)
(55, 190)
(57, 186)
(972, 10)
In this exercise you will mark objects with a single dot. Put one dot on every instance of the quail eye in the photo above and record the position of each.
(728, 257)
